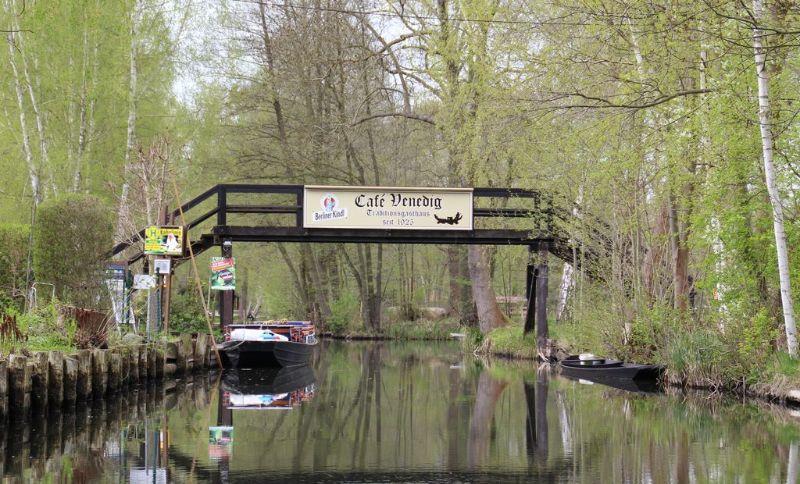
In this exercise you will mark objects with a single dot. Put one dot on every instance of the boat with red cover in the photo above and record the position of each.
(268, 343)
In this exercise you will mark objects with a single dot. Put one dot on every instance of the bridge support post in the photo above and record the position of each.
(542, 280)
(226, 297)
(530, 279)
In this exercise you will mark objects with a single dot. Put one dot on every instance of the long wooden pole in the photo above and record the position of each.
(196, 274)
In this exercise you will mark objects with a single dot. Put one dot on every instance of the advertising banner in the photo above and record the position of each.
(163, 241)
(387, 208)
(223, 273)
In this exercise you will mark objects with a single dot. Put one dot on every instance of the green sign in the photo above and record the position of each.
(163, 241)
(223, 273)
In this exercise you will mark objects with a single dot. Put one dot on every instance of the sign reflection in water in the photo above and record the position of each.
(395, 411)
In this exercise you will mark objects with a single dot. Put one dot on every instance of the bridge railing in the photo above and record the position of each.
(541, 207)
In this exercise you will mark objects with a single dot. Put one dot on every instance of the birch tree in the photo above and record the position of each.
(133, 79)
(770, 175)
(33, 169)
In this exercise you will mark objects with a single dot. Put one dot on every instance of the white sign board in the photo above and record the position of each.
(387, 208)
(161, 266)
(144, 281)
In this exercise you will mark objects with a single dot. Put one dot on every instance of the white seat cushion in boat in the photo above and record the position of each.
(244, 334)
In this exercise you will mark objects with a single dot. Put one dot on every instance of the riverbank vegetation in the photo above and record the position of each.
(664, 133)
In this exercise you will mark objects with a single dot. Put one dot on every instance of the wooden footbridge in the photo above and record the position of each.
(279, 217)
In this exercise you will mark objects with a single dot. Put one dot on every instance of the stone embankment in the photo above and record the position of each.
(56, 380)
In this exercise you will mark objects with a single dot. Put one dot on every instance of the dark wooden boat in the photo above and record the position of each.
(284, 343)
(606, 368)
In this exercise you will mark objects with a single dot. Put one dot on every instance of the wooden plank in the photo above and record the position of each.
(222, 205)
(505, 212)
(292, 209)
(257, 188)
(504, 192)
(202, 218)
(296, 234)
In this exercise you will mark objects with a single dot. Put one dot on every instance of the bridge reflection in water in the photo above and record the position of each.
(403, 412)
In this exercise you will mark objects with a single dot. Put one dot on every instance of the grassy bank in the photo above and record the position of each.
(696, 359)
(42, 329)
(401, 330)
(507, 341)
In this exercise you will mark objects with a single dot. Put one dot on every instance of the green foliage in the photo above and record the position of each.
(72, 237)
(700, 357)
(755, 340)
(473, 338)
(509, 341)
(14, 243)
(42, 329)
(345, 314)
(186, 313)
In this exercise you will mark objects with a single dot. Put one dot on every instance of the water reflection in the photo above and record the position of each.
(395, 412)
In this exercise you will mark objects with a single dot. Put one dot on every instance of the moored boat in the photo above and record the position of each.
(590, 366)
(268, 343)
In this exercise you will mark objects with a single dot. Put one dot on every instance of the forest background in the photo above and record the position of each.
(668, 129)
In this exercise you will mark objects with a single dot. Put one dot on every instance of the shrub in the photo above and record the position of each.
(72, 237)
(700, 357)
(344, 313)
(13, 262)
(186, 313)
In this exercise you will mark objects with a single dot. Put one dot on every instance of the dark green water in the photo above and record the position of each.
(389, 412)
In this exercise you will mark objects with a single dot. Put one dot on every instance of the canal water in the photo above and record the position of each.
(389, 412)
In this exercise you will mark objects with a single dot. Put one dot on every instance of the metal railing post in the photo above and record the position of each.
(222, 204)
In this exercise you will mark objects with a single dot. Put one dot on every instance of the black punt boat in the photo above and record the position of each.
(284, 343)
(591, 368)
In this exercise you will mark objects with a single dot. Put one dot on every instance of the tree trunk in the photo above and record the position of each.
(770, 178)
(33, 172)
(122, 214)
(44, 157)
(680, 259)
(489, 314)
(86, 127)
(564, 290)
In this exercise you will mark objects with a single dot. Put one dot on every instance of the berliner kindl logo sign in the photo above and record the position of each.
(330, 209)
(387, 208)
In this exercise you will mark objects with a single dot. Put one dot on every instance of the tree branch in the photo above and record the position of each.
(605, 103)
(418, 117)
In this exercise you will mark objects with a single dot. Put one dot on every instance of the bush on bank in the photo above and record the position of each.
(71, 239)
(14, 243)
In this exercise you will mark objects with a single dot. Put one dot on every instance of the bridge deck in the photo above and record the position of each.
(299, 234)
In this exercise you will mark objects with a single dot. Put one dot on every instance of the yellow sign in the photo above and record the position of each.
(163, 241)
(387, 208)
